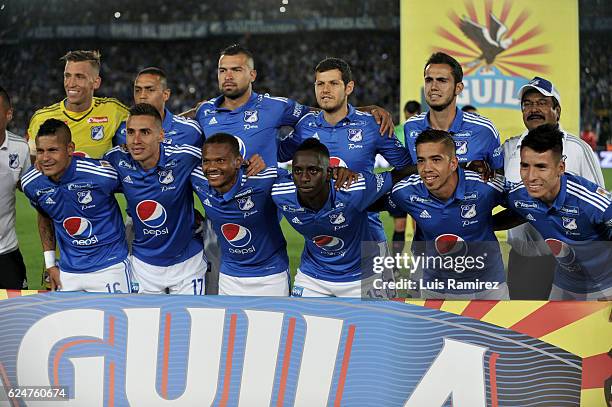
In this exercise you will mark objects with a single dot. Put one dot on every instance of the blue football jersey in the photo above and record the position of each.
(87, 220)
(177, 130)
(256, 124)
(476, 138)
(160, 201)
(354, 142)
(244, 219)
(334, 234)
(458, 230)
(577, 228)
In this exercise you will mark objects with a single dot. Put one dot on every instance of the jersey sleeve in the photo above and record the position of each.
(590, 168)
(31, 134)
(287, 146)
(498, 186)
(292, 112)
(409, 142)
(393, 151)
(371, 187)
(120, 135)
(495, 153)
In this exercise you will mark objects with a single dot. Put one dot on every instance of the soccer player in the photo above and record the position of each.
(476, 138)
(77, 194)
(151, 86)
(454, 238)
(166, 254)
(92, 120)
(531, 266)
(572, 214)
(253, 249)
(14, 162)
(333, 222)
(351, 136)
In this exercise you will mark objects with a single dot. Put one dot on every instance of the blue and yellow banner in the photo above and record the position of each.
(501, 45)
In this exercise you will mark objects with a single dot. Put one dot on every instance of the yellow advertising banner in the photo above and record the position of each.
(501, 46)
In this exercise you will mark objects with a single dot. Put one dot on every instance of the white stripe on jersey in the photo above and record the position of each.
(90, 171)
(309, 114)
(360, 113)
(280, 184)
(593, 195)
(283, 192)
(288, 187)
(418, 117)
(183, 149)
(197, 172)
(495, 185)
(188, 122)
(92, 166)
(116, 148)
(516, 188)
(585, 199)
(29, 177)
(280, 99)
(484, 124)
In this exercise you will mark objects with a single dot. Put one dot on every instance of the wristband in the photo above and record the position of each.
(49, 258)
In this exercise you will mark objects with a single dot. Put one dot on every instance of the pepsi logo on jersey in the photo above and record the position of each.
(238, 237)
(80, 229)
(153, 215)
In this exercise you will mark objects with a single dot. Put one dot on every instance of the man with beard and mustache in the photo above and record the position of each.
(476, 138)
(530, 264)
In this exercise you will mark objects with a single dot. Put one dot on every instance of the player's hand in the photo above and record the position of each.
(38, 165)
(344, 177)
(254, 165)
(190, 114)
(384, 118)
(481, 167)
(54, 277)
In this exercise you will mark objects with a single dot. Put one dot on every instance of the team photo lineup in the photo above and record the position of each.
(135, 198)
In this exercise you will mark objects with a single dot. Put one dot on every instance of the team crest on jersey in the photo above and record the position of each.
(246, 204)
(569, 223)
(97, 132)
(337, 218)
(250, 116)
(14, 160)
(166, 177)
(355, 135)
(461, 147)
(468, 211)
(84, 197)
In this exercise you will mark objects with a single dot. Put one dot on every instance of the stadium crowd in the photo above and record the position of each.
(282, 69)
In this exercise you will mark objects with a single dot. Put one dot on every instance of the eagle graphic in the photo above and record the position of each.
(489, 40)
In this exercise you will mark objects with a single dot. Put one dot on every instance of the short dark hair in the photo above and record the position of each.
(412, 106)
(145, 109)
(313, 144)
(467, 108)
(5, 98)
(55, 127)
(237, 49)
(543, 138)
(153, 70)
(224, 138)
(93, 57)
(442, 58)
(437, 136)
(329, 64)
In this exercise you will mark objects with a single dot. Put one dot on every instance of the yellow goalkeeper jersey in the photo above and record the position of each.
(92, 130)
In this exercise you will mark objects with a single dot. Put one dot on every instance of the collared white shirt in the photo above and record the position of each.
(580, 160)
(14, 162)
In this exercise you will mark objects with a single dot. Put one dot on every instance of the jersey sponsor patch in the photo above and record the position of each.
(151, 213)
(328, 243)
(98, 119)
(236, 235)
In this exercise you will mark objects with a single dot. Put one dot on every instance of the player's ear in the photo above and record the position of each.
(458, 88)
(70, 148)
(238, 162)
(166, 94)
(253, 75)
(9, 115)
(97, 82)
(454, 162)
(329, 175)
(561, 166)
(349, 88)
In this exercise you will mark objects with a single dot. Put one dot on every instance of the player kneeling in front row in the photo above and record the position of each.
(573, 215)
(167, 256)
(77, 195)
(253, 249)
(339, 248)
(454, 244)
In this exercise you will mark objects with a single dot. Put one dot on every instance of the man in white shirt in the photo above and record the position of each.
(531, 264)
(14, 161)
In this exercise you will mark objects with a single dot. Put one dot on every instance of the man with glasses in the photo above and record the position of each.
(531, 265)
